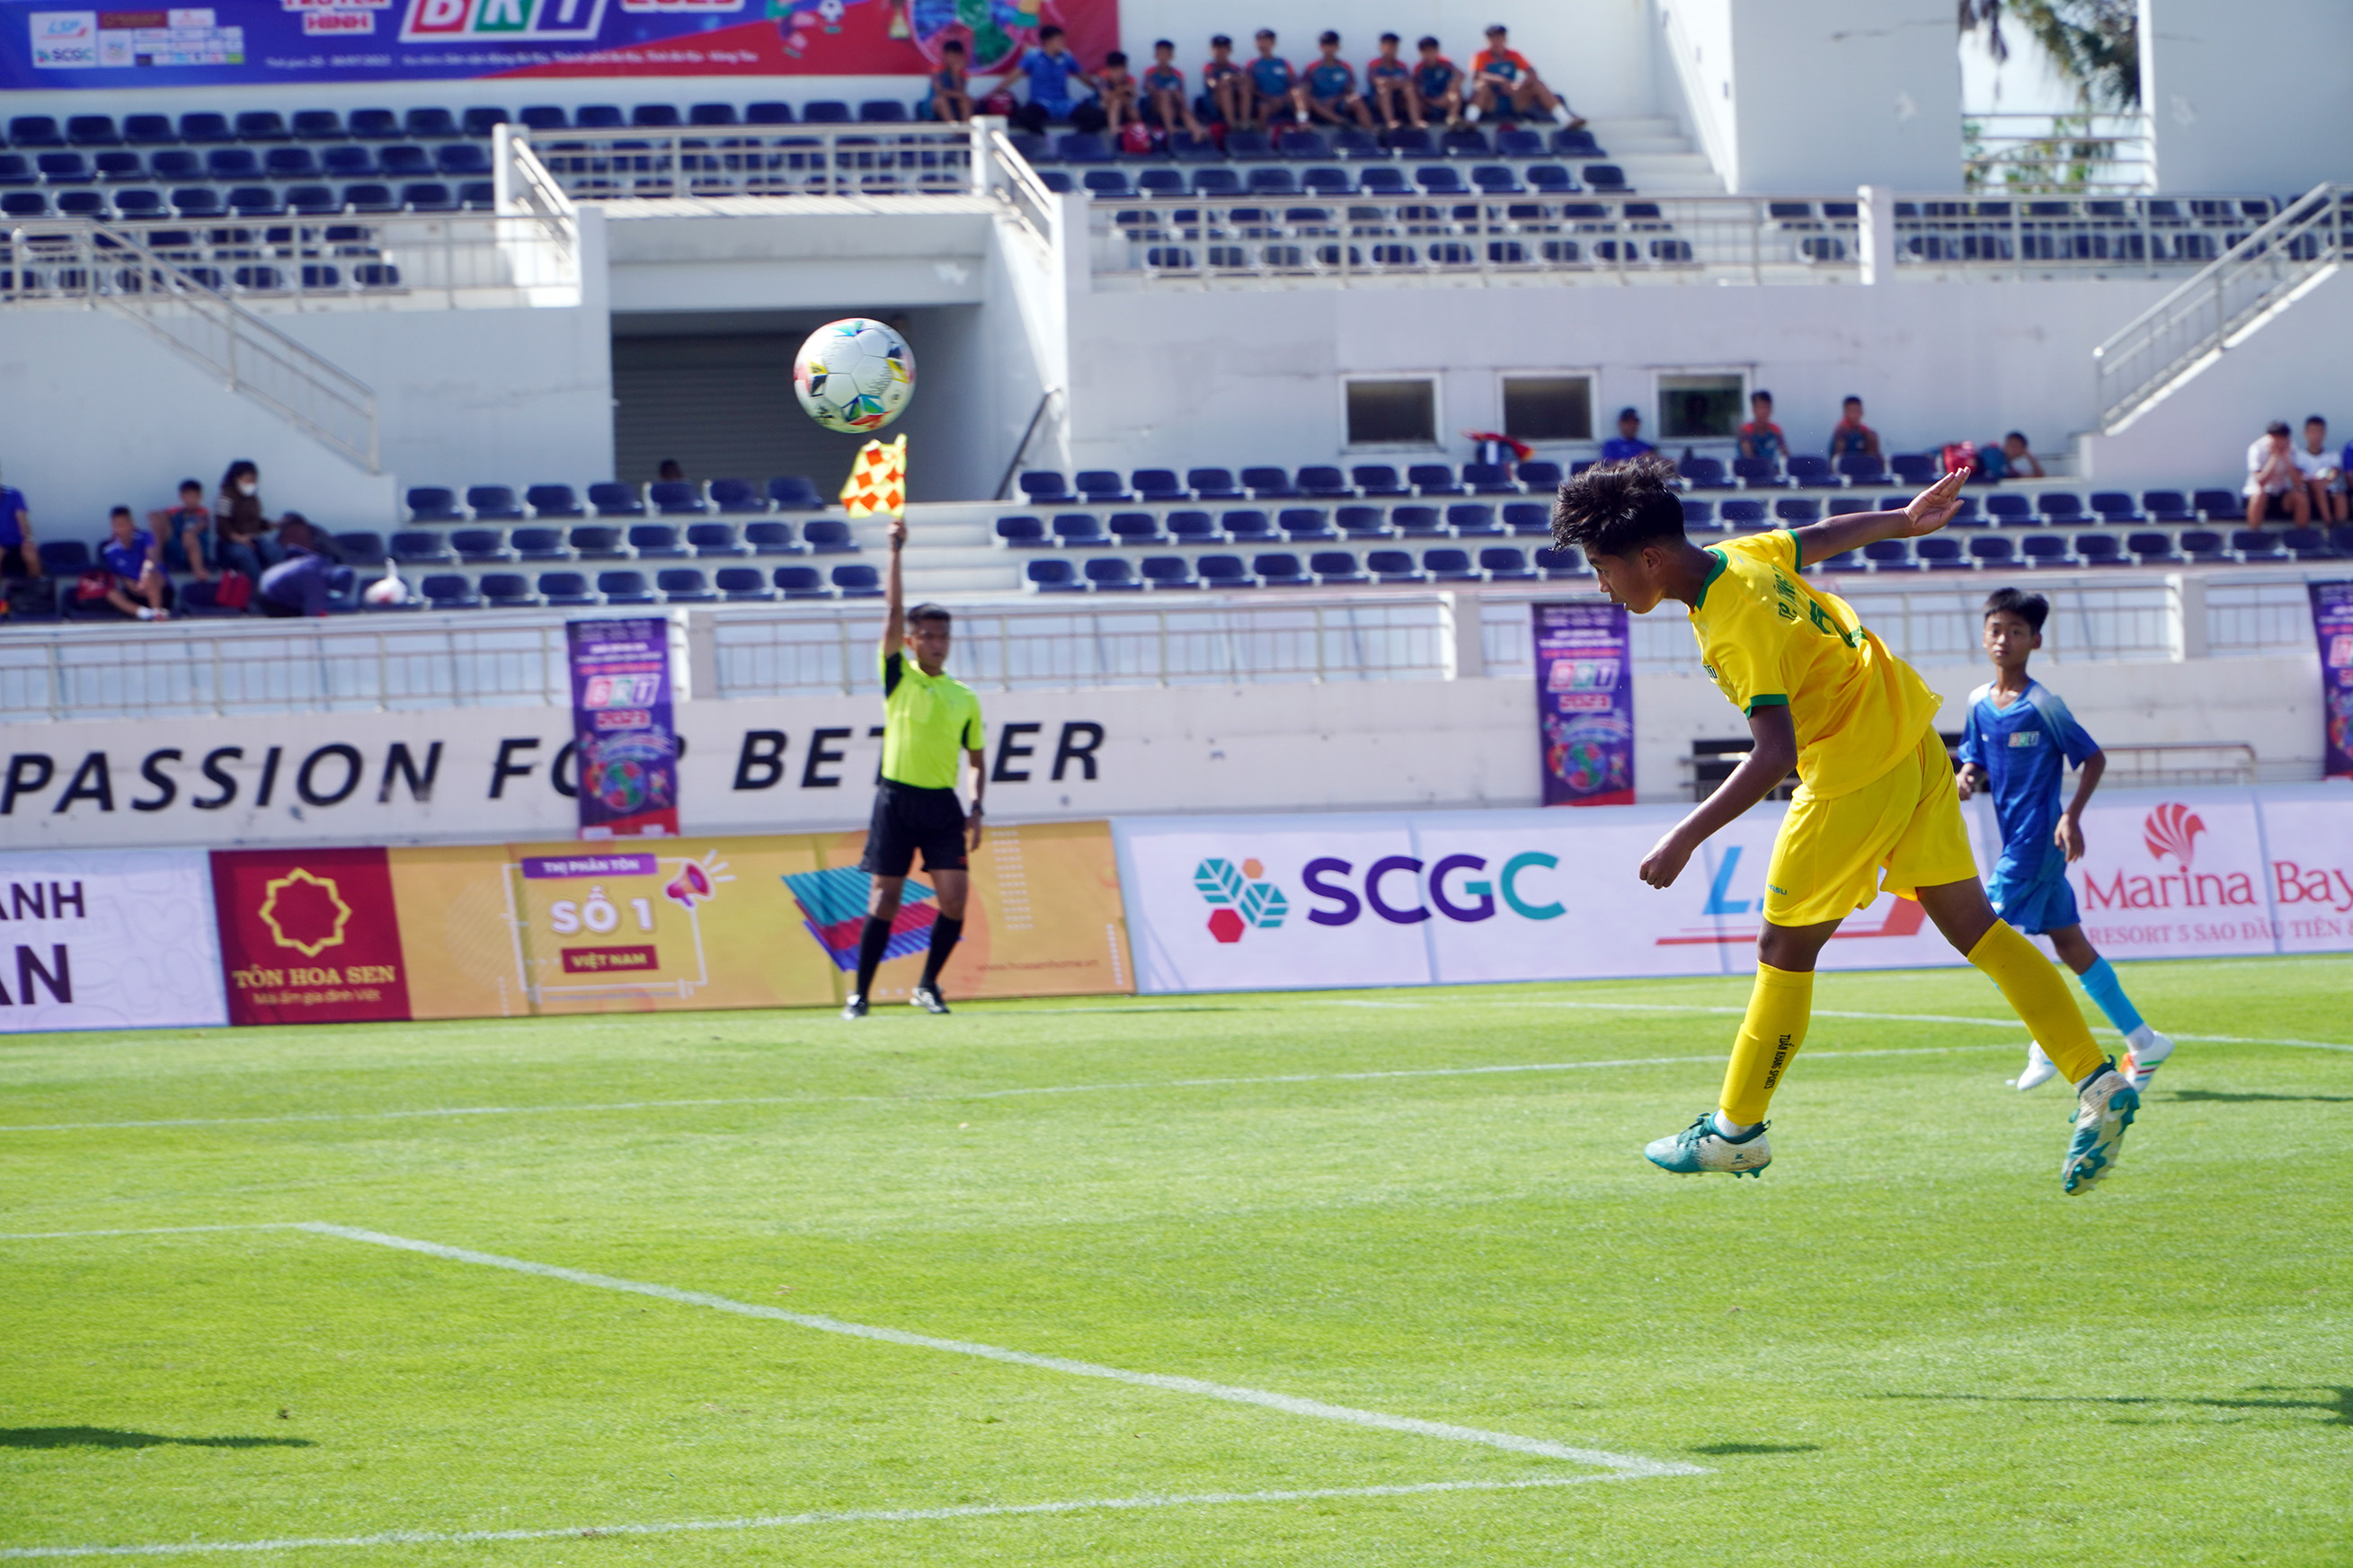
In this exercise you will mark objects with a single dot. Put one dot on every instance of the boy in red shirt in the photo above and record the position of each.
(1388, 81)
(1164, 90)
(1501, 76)
(1760, 438)
(1222, 80)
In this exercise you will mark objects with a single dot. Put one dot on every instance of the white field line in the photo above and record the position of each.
(2010, 1023)
(1623, 1464)
(953, 1095)
(783, 1521)
(148, 1230)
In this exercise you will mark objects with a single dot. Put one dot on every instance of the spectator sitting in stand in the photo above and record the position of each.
(1116, 92)
(1628, 442)
(19, 555)
(670, 473)
(2273, 474)
(1328, 91)
(1163, 91)
(1438, 83)
(134, 569)
(1267, 82)
(240, 529)
(1223, 86)
(1504, 85)
(1051, 69)
(951, 96)
(185, 530)
(2011, 461)
(1388, 81)
(298, 586)
(2322, 475)
(1850, 436)
(1760, 438)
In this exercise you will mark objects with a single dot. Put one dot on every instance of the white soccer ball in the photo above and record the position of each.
(386, 591)
(854, 375)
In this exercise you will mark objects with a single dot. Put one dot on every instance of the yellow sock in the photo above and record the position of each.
(1779, 1009)
(2031, 984)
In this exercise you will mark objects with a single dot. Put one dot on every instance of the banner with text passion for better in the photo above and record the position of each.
(2332, 624)
(622, 734)
(244, 41)
(1585, 704)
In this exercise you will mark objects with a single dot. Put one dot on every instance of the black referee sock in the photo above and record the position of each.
(944, 935)
(877, 937)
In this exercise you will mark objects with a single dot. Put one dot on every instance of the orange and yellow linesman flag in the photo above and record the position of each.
(878, 480)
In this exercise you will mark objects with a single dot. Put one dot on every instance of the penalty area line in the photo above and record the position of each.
(1631, 1465)
(786, 1521)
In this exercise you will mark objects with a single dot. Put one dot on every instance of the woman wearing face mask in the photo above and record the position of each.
(239, 523)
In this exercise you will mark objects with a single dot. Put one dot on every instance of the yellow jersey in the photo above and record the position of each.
(928, 722)
(1766, 638)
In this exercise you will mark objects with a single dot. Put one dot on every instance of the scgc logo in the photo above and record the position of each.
(1401, 889)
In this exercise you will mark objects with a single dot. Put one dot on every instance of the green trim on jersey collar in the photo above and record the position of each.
(1798, 552)
(1712, 573)
(1776, 700)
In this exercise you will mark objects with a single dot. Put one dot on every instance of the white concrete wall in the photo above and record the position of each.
(2291, 367)
(1820, 95)
(1174, 378)
(2246, 97)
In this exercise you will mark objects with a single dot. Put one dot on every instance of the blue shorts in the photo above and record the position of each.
(2044, 904)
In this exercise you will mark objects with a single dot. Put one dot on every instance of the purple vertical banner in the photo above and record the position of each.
(2332, 624)
(626, 746)
(1585, 704)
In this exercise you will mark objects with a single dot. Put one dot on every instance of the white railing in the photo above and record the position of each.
(2202, 317)
(123, 270)
(2023, 153)
(1346, 235)
(1000, 170)
(638, 161)
(539, 228)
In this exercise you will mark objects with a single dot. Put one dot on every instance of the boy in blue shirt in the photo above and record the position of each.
(1163, 91)
(2018, 740)
(1051, 67)
(1389, 82)
(1628, 443)
(951, 99)
(1328, 91)
(1438, 83)
(135, 584)
(1267, 82)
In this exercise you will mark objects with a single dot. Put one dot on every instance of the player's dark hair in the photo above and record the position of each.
(1615, 509)
(1266, 32)
(929, 611)
(1391, 38)
(1425, 43)
(1495, 28)
(952, 46)
(1048, 33)
(187, 485)
(2017, 435)
(1850, 397)
(2315, 419)
(1631, 413)
(1329, 37)
(1220, 40)
(2032, 608)
(1165, 43)
(117, 511)
(1116, 57)
(2276, 427)
(1760, 392)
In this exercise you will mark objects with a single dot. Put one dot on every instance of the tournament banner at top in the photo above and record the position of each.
(2332, 624)
(624, 741)
(245, 41)
(1585, 704)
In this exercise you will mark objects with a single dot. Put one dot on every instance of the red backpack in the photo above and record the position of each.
(1959, 455)
(1135, 137)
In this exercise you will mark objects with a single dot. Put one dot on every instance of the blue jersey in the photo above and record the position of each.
(1271, 74)
(1330, 78)
(1049, 79)
(2025, 749)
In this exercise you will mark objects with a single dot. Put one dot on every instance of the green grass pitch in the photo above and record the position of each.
(1903, 1346)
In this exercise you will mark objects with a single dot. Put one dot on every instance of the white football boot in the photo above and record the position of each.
(1700, 1148)
(2145, 1049)
(2039, 1068)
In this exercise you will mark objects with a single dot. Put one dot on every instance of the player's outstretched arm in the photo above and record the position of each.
(1769, 759)
(1930, 510)
(894, 593)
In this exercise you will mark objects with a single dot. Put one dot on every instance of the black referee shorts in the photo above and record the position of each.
(907, 819)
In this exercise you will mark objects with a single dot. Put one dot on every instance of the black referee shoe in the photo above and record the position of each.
(856, 1006)
(928, 998)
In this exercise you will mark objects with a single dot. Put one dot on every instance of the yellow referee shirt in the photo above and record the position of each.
(1766, 636)
(928, 722)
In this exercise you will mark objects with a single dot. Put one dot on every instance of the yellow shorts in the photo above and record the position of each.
(1828, 857)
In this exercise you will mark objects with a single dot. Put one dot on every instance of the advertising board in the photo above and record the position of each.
(108, 940)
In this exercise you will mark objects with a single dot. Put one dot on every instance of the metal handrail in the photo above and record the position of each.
(1012, 181)
(2199, 319)
(636, 162)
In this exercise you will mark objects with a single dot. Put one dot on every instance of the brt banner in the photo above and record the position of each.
(1585, 704)
(2332, 624)
(249, 41)
(621, 729)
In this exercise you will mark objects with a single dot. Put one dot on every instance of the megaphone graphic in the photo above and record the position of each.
(692, 882)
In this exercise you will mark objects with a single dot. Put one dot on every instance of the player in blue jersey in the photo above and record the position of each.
(2018, 741)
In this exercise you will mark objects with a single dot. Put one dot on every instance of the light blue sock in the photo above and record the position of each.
(2100, 983)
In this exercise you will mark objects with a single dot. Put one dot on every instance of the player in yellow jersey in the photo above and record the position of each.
(1875, 807)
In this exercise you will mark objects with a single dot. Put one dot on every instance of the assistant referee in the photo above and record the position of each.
(928, 717)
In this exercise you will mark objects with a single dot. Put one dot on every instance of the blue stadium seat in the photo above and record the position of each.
(1280, 569)
(2098, 549)
(412, 547)
(1890, 555)
(594, 541)
(1167, 573)
(1921, 468)
(1505, 563)
(771, 538)
(222, 163)
(1797, 510)
(92, 131)
(1527, 519)
(1052, 574)
(564, 588)
(599, 117)
(676, 498)
(427, 196)
(1246, 526)
(430, 125)
(1304, 525)
(290, 163)
(1159, 485)
(1193, 528)
(360, 548)
(1100, 487)
(493, 503)
(317, 125)
(612, 499)
(1325, 482)
(684, 585)
(461, 161)
(430, 503)
(1077, 529)
(346, 163)
(1699, 515)
(1133, 529)
(479, 546)
(539, 544)
(1043, 487)
(1561, 563)
(2115, 508)
(714, 541)
(1607, 178)
(449, 591)
(403, 162)
(2011, 510)
(1224, 572)
(742, 586)
(2257, 545)
(1418, 521)
(2166, 506)
(1392, 566)
(199, 128)
(1706, 474)
(1448, 565)
(622, 586)
(801, 583)
(1473, 520)
(2046, 550)
(1379, 479)
(828, 536)
(2060, 507)
(1853, 501)
(1940, 552)
(1111, 574)
(120, 167)
(2220, 506)
(1743, 513)
(1757, 473)
(64, 557)
(1990, 550)
(1433, 480)
(768, 112)
(554, 500)
(481, 121)
(1489, 479)
(1361, 522)
(1336, 568)
(1862, 469)
(657, 540)
(1540, 476)
(1212, 484)
(1551, 180)
(1269, 484)
(792, 492)
(149, 131)
(507, 590)
(1021, 533)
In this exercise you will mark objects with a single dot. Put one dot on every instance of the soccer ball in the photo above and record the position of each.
(386, 591)
(854, 375)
